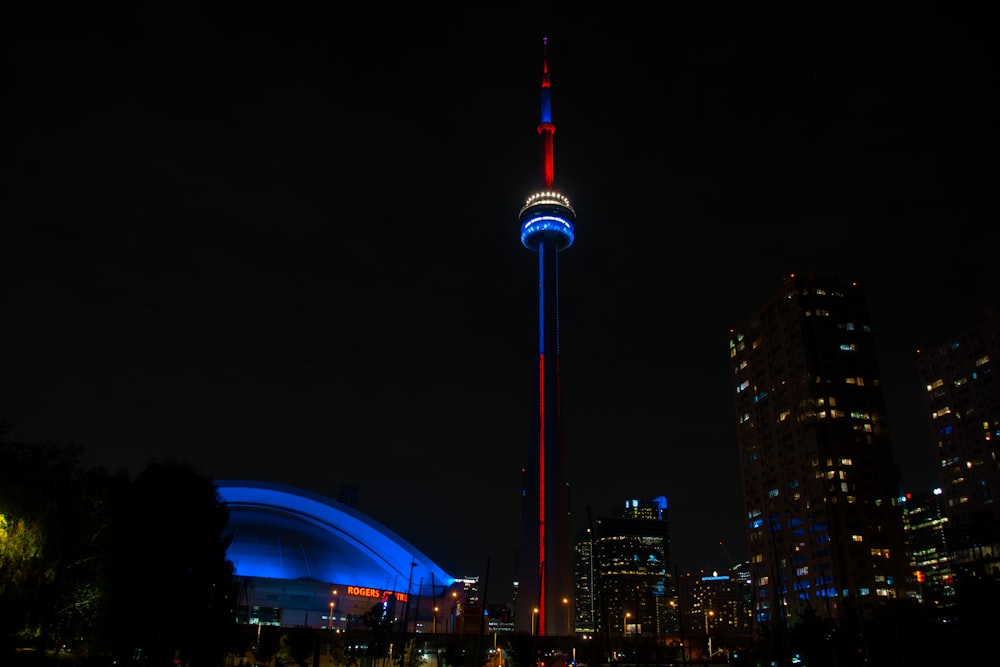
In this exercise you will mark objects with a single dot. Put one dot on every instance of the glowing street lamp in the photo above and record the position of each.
(435, 619)
(708, 615)
(333, 603)
(628, 615)
(534, 613)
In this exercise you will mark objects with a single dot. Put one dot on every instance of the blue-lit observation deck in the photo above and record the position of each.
(547, 214)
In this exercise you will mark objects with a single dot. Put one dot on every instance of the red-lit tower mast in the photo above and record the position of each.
(545, 598)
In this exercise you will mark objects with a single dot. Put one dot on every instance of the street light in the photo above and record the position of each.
(708, 614)
(628, 615)
(534, 613)
(435, 620)
(330, 625)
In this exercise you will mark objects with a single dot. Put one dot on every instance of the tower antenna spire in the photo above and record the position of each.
(546, 128)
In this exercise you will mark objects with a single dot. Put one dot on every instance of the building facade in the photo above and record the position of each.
(963, 405)
(631, 565)
(925, 519)
(583, 577)
(715, 610)
(820, 485)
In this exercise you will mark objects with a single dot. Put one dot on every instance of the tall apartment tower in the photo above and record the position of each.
(585, 583)
(545, 561)
(963, 404)
(820, 485)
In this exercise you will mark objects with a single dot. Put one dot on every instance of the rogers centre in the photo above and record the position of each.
(307, 560)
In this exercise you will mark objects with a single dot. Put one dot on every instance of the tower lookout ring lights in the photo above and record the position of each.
(547, 215)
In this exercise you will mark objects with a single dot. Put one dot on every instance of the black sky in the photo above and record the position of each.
(283, 244)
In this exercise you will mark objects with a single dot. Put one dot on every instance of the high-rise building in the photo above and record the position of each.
(925, 519)
(963, 403)
(545, 561)
(631, 564)
(820, 485)
(715, 611)
(583, 578)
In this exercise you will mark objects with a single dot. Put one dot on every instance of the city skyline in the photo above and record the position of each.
(282, 247)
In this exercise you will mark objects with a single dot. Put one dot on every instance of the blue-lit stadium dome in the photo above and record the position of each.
(281, 532)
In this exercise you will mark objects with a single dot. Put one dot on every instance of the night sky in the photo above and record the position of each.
(283, 245)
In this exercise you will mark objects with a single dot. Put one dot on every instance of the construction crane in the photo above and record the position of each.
(729, 558)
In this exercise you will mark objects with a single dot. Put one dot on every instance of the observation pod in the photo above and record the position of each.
(547, 215)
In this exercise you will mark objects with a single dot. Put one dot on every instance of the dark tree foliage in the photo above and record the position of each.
(296, 647)
(52, 526)
(379, 620)
(171, 593)
(267, 643)
(339, 653)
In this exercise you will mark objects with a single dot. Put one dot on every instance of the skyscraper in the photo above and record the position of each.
(963, 406)
(545, 572)
(820, 486)
(635, 588)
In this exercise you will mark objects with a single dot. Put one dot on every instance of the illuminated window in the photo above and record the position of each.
(846, 462)
(857, 538)
(847, 347)
(743, 385)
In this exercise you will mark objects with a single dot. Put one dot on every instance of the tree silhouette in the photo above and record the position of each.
(173, 593)
(52, 522)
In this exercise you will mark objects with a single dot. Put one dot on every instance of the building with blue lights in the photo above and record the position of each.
(310, 561)
(820, 483)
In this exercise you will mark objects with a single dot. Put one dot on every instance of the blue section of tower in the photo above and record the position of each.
(545, 591)
(546, 102)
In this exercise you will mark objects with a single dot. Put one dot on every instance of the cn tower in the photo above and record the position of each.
(545, 596)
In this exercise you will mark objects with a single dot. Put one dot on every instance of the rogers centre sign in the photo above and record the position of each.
(374, 593)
